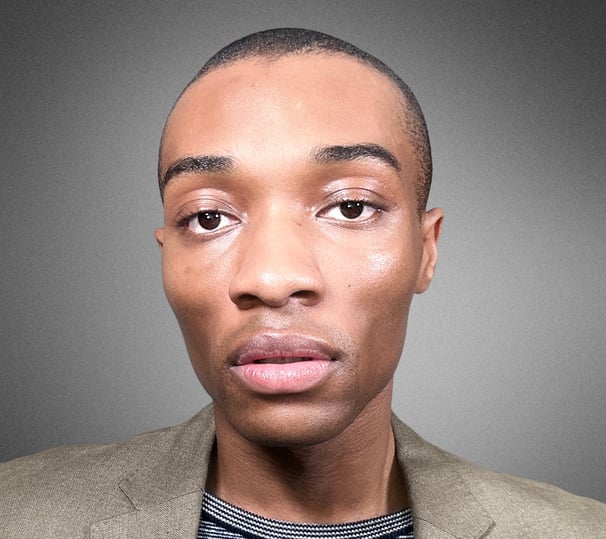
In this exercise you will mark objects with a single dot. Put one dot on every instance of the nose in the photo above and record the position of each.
(276, 264)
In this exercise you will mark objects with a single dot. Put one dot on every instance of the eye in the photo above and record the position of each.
(207, 221)
(351, 210)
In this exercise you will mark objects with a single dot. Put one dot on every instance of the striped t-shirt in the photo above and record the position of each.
(220, 519)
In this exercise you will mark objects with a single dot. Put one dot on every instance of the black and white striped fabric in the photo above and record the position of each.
(220, 519)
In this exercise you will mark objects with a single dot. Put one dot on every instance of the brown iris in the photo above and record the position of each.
(209, 220)
(352, 209)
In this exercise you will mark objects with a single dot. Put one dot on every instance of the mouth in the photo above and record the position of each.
(281, 360)
(282, 363)
(281, 349)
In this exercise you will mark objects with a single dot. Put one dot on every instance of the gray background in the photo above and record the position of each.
(505, 360)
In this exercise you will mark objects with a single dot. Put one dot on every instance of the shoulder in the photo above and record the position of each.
(67, 488)
(447, 490)
(533, 508)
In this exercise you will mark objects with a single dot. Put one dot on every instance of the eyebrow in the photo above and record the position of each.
(220, 164)
(212, 164)
(338, 154)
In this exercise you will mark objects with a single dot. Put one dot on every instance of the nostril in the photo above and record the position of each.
(247, 301)
(307, 295)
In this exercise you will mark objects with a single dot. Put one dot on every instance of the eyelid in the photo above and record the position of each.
(189, 226)
(202, 203)
(193, 208)
(369, 198)
(368, 206)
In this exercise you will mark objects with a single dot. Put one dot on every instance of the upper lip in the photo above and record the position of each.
(280, 345)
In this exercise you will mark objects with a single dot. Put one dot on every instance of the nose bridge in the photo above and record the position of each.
(277, 261)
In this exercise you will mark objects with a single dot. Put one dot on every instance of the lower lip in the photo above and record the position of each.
(283, 378)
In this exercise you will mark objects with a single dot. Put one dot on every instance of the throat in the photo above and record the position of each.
(290, 484)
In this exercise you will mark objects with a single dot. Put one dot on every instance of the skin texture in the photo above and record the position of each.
(289, 270)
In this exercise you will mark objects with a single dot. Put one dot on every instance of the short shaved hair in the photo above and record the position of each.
(276, 43)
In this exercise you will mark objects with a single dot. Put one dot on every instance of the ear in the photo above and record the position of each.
(431, 228)
(159, 234)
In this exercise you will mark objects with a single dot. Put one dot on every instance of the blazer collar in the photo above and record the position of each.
(442, 503)
(166, 490)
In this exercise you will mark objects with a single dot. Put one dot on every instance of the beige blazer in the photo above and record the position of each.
(151, 486)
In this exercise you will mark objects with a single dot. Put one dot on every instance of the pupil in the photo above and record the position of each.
(209, 220)
(352, 209)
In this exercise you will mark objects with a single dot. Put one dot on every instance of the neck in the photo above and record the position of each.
(352, 477)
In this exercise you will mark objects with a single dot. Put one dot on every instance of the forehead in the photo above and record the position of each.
(285, 106)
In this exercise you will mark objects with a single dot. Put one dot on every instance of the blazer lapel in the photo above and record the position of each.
(442, 503)
(166, 489)
(176, 518)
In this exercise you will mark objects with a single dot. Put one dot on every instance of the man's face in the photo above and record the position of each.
(291, 243)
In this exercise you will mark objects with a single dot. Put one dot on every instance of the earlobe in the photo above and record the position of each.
(431, 229)
(159, 234)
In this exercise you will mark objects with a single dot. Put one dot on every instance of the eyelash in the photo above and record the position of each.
(183, 221)
(366, 203)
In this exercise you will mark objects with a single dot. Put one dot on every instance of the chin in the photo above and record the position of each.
(292, 425)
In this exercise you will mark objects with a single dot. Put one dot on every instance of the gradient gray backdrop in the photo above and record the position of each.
(505, 359)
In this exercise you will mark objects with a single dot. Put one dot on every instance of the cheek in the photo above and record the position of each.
(380, 281)
(191, 278)
(194, 286)
(379, 293)
(178, 276)
(193, 293)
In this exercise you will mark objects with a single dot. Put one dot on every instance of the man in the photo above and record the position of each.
(294, 172)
